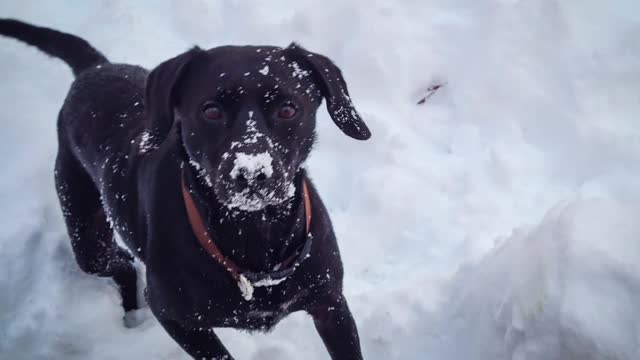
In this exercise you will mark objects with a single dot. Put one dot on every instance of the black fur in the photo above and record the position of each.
(75, 51)
(125, 138)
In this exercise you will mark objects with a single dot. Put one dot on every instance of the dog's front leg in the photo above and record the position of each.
(199, 343)
(337, 329)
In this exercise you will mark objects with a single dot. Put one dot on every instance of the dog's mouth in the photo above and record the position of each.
(251, 200)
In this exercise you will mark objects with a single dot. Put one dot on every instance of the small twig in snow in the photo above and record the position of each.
(430, 91)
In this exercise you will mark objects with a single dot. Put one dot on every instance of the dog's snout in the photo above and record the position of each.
(251, 170)
(242, 181)
(261, 177)
(246, 178)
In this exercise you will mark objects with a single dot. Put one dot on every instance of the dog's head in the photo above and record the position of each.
(247, 116)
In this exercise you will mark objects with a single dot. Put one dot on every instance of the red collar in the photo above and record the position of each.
(247, 280)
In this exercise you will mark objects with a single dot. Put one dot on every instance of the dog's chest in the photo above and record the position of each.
(257, 318)
(259, 314)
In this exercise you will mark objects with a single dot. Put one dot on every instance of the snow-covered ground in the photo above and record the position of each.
(496, 221)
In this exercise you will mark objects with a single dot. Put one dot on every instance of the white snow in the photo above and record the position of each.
(251, 135)
(298, 72)
(252, 164)
(145, 144)
(246, 288)
(498, 220)
(264, 70)
(246, 200)
(202, 172)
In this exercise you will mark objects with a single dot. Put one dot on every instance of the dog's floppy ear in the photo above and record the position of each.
(159, 98)
(334, 89)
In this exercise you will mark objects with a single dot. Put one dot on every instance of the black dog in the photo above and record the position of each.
(197, 165)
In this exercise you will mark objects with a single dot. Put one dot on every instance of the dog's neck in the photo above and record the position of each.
(257, 240)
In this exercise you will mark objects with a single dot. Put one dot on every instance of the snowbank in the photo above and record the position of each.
(495, 221)
(567, 288)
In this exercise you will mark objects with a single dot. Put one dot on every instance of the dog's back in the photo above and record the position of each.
(101, 92)
(102, 115)
(97, 129)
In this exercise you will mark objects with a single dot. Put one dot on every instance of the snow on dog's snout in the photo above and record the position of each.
(250, 165)
(253, 197)
(257, 177)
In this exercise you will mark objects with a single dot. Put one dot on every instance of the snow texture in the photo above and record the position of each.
(246, 288)
(498, 220)
(145, 145)
(266, 282)
(202, 173)
(251, 165)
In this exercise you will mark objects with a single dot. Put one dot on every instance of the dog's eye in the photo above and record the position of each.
(287, 110)
(211, 111)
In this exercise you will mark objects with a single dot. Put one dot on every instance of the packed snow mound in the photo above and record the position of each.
(567, 288)
(496, 220)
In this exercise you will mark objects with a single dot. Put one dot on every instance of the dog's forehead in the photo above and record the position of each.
(264, 65)
(244, 54)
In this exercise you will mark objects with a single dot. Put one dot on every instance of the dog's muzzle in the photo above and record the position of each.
(250, 182)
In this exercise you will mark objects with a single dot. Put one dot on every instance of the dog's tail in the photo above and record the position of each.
(76, 52)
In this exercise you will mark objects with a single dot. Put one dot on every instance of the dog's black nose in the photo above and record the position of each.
(246, 179)
(261, 178)
(242, 181)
